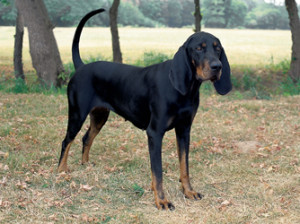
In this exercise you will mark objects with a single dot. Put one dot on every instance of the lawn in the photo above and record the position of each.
(243, 47)
(245, 159)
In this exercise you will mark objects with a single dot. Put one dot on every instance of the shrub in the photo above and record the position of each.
(151, 58)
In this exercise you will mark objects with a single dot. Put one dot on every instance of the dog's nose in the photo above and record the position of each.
(216, 66)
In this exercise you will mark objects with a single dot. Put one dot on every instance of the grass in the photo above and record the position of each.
(244, 159)
(243, 47)
(261, 71)
(244, 149)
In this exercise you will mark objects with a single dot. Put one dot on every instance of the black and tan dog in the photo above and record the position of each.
(155, 98)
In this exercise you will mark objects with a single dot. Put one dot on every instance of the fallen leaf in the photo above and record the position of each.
(85, 217)
(111, 169)
(270, 169)
(27, 179)
(4, 204)
(4, 154)
(75, 216)
(224, 205)
(270, 192)
(263, 155)
(85, 187)
(216, 150)
(227, 122)
(59, 204)
(294, 162)
(3, 181)
(21, 185)
(53, 217)
(197, 144)
(73, 185)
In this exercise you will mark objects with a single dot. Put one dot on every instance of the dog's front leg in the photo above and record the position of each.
(155, 143)
(183, 141)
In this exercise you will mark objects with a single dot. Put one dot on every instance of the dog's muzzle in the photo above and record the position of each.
(215, 68)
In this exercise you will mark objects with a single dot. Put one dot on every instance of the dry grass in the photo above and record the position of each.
(245, 159)
(251, 47)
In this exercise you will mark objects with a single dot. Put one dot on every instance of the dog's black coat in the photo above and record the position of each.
(155, 98)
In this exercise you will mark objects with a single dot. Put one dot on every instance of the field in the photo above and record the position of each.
(244, 154)
(243, 47)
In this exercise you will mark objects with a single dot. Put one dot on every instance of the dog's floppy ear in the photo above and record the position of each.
(223, 86)
(181, 73)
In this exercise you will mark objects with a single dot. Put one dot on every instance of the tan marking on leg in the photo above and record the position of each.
(184, 177)
(63, 167)
(160, 201)
(93, 131)
(92, 134)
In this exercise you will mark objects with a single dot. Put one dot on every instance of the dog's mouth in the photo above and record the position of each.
(215, 76)
(204, 77)
(214, 79)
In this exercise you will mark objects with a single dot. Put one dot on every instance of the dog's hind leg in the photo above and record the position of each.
(75, 123)
(73, 128)
(98, 117)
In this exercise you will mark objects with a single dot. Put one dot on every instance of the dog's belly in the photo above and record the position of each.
(139, 116)
(140, 119)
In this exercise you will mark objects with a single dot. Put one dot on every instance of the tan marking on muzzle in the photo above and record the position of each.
(219, 75)
(203, 72)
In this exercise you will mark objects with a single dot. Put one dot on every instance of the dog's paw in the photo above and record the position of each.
(63, 168)
(193, 195)
(164, 204)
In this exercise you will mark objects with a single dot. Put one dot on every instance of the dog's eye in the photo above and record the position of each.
(218, 49)
(199, 48)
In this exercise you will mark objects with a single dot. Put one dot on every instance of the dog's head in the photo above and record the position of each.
(202, 58)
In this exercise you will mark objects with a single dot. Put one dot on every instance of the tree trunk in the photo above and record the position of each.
(198, 16)
(113, 15)
(18, 65)
(43, 47)
(294, 71)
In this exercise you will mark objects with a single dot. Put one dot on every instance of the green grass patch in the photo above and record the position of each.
(261, 82)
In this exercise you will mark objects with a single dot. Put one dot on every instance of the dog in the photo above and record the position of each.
(156, 98)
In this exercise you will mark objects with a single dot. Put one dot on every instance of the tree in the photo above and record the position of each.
(43, 47)
(292, 9)
(236, 13)
(153, 9)
(215, 13)
(113, 15)
(187, 12)
(173, 11)
(198, 16)
(18, 64)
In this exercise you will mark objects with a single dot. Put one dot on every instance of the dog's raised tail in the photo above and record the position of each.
(75, 46)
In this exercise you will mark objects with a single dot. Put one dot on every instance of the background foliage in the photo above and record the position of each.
(171, 13)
